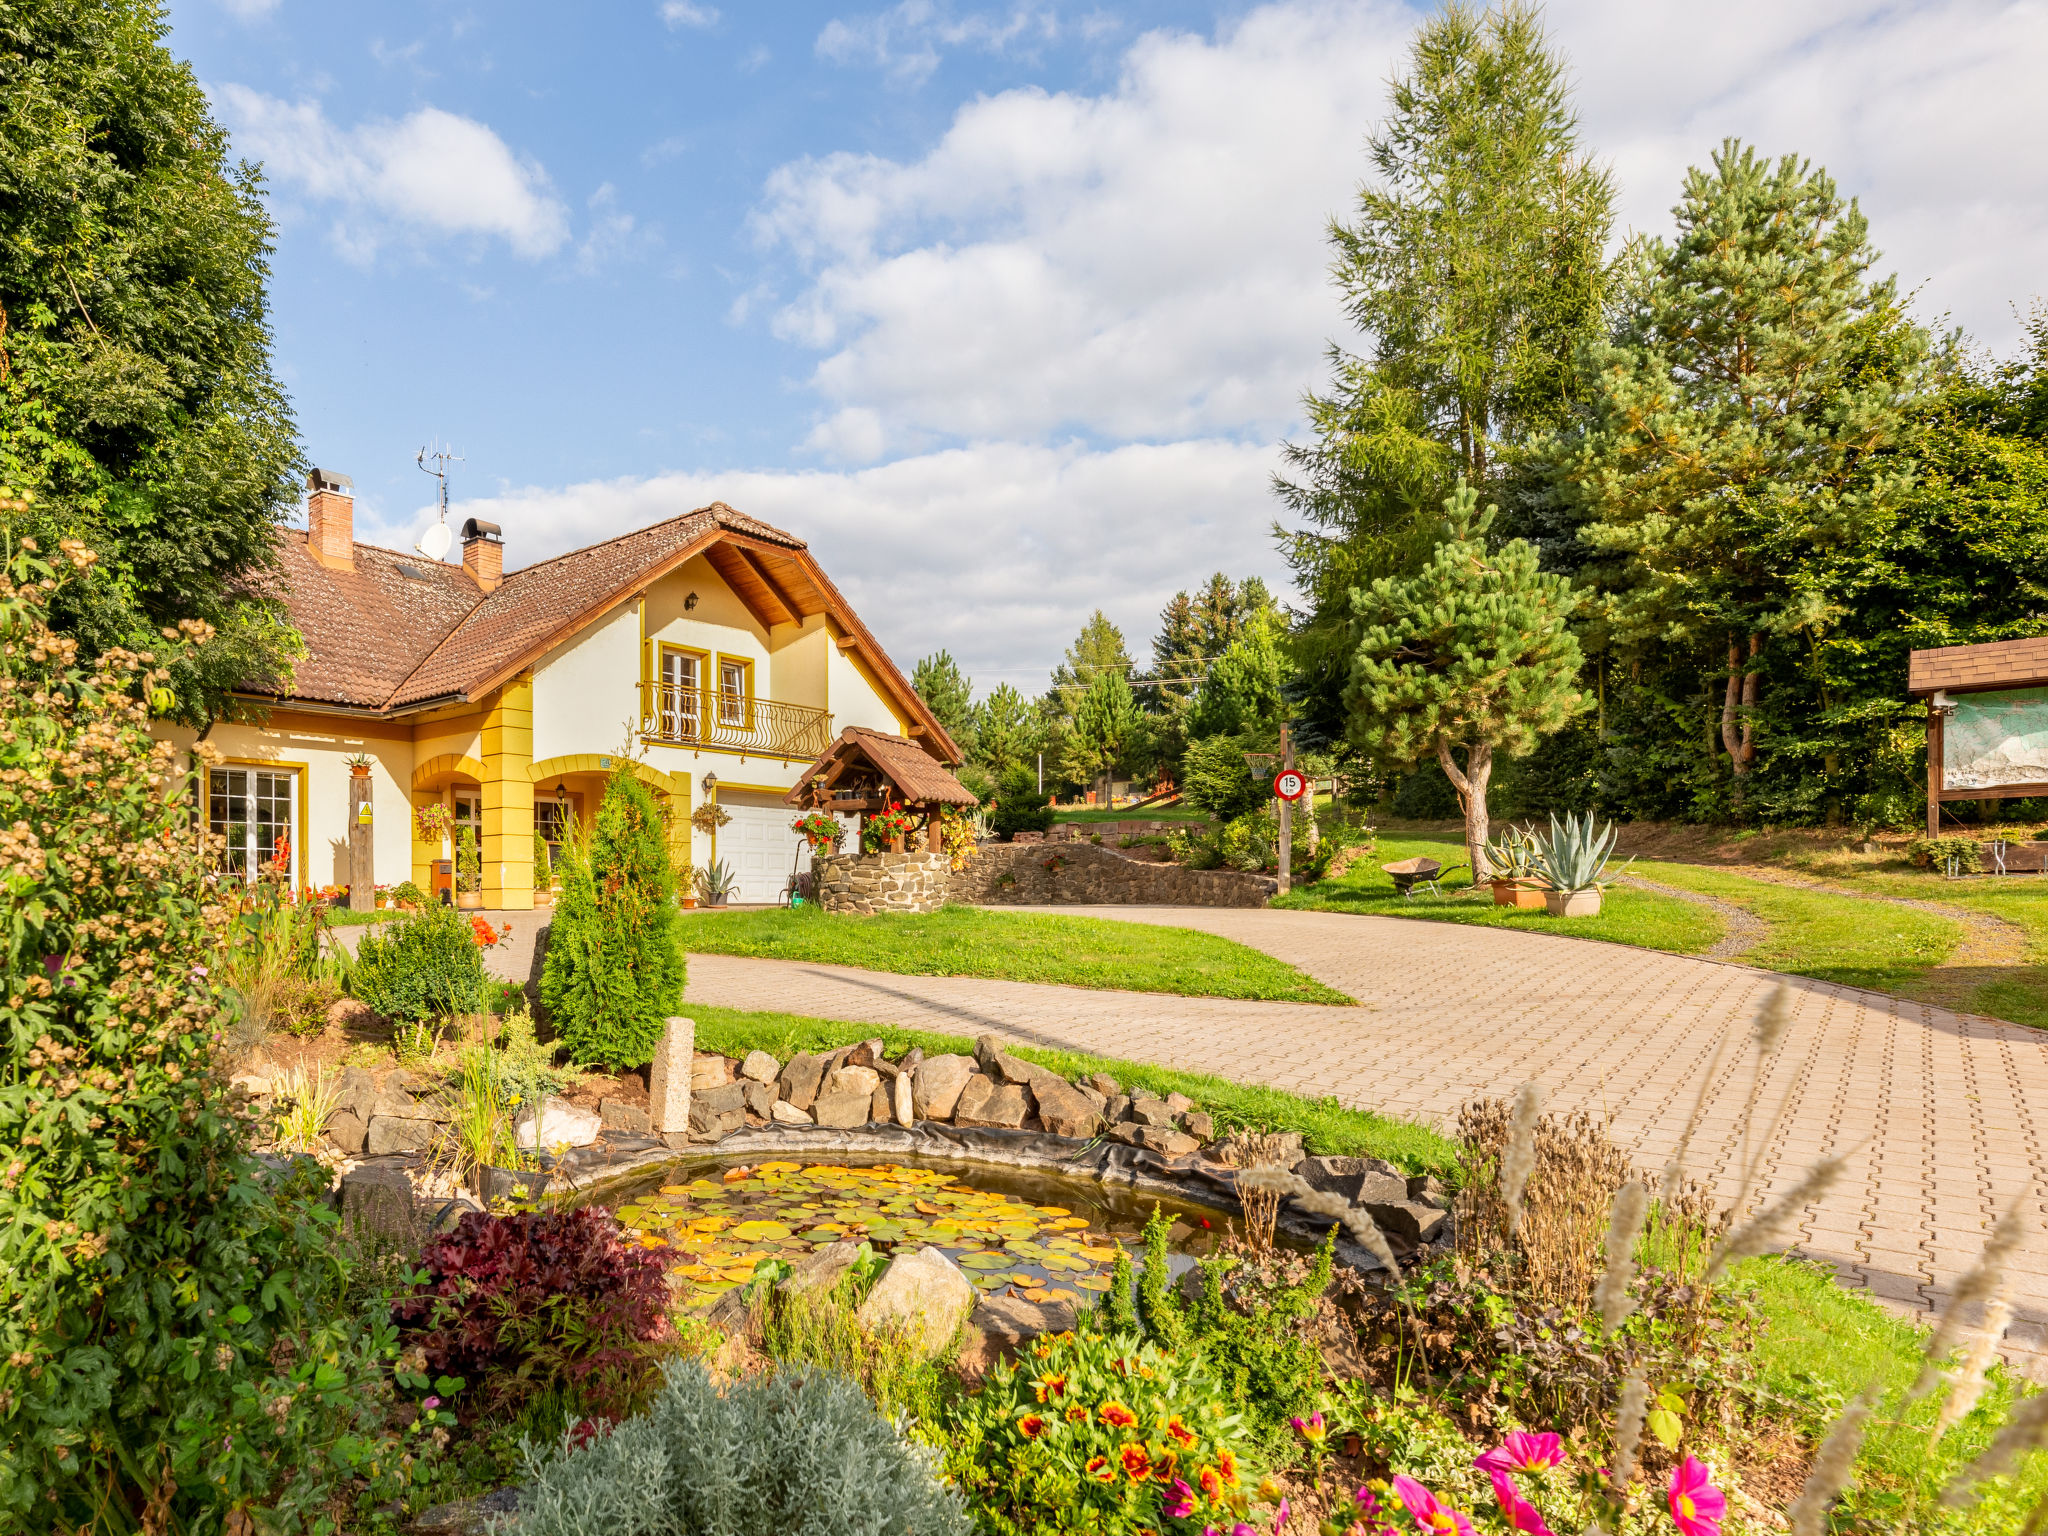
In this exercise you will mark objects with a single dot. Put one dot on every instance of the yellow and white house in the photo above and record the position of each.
(711, 647)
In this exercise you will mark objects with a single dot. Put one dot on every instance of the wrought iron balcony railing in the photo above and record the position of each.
(729, 722)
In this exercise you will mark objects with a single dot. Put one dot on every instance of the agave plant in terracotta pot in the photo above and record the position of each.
(1516, 880)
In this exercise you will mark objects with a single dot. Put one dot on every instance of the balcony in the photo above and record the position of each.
(711, 721)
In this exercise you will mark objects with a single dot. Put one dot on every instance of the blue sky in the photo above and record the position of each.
(1004, 307)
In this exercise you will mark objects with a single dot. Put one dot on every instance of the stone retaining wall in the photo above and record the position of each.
(868, 883)
(1082, 875)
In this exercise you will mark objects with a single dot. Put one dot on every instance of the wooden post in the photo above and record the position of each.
(1286, 816)
(362, 844)
(1934, 748)
(935, 828)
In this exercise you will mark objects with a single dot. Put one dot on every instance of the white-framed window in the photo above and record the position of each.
(733, 691)
(256, 811)
(682, 693)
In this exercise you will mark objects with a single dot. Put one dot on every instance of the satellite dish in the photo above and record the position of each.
(434, 542)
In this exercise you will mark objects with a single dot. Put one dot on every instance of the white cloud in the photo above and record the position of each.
(905, 39)
(249, 10)
(995, 552)
(614, 233)
(430, 173)
(682, 13)
(1149, 262)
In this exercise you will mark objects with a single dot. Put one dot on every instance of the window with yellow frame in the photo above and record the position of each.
(679, 698)
(736, 692)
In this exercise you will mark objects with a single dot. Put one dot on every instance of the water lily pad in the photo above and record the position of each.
(1050, 1293)
(760, 1231)
(1093, 1282)
(984, 1260)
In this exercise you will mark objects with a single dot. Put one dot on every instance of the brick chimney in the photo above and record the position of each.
(331, 519)
(483, 553)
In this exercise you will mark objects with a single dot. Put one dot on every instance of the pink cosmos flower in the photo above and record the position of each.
(1697, 1506)
(1519, 1513)
(1433, 1517)
(1521, 1452)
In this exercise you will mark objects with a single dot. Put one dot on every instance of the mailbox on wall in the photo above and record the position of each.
(444, 879)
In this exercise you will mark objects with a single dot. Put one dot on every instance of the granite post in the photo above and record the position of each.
(668, 1081)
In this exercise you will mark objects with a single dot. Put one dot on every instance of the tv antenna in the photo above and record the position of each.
(435, 541)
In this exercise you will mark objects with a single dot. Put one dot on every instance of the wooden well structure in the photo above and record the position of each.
(864, 771)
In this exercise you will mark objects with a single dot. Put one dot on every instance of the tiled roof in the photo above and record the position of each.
(368, 629)
(1967, 668)
(541, 601)
(915, 772)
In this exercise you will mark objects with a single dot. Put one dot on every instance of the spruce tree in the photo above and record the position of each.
(948, 693)
(1007, 730)
(1471, 652)
(615, 970)
(1741, 451)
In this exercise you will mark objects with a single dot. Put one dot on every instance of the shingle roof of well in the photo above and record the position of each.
(1967, 668)
(918, 775)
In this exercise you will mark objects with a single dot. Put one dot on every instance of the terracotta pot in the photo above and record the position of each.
(470, 901)
(356, 772)
(1572, 903)
(1524, 895)
(689, 903)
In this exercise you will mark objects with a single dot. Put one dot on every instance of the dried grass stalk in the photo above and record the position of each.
(1611, 1298)
(1833, 1464)
(1761, 1231)
(1767, 1033)
(1673, 1180)
(1565, 1204)
(1968, 1383)
(1628, 1429)
(1282, 1184)
(1518, 1159)
(1984, 1279)
(1247, 1150)
(2024, 1429)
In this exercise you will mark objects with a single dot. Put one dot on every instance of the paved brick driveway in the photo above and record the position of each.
(1946, 1112)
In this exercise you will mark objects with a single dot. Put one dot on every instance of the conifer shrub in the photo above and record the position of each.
(422, 967)
(796, 1453)
(1019, 806)
(175, 1333)
(614, 970)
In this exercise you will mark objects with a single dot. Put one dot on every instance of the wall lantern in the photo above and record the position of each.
(689, 602)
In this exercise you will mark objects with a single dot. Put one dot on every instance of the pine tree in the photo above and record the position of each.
(1097, 649)
(1007, 733)
(1471, 652)
(615, 970)
(1736, 457)
(1107, 726)
(948, 693)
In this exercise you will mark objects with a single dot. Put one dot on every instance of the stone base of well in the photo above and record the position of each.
(868, 883)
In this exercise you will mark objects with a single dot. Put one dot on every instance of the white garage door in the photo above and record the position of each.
(761, 849)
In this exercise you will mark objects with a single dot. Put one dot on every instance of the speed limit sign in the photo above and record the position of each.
(1290, 784)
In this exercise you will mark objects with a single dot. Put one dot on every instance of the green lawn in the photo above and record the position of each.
(1831, 938)
(1012, 946)
(1130, 813)
(1326, 1126)
(1647, 919)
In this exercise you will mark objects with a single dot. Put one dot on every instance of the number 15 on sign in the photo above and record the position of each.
(1290, 784)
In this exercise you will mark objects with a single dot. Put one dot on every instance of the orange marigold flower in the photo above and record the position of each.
(1137, 1461)
(1179, 1432)
(1117, 1416)
(1050, 1386)
(1101, 1470)
(1226, 1463)
(1031, 1426)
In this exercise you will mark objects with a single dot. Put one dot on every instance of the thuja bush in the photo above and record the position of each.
(795, 1453)
(173, 1344)
(538, 1303)
(422, 967)
(614, 968)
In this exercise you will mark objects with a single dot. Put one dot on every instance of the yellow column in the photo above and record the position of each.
(508, 798)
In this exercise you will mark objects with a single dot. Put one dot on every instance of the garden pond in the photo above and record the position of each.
(1054, 1237)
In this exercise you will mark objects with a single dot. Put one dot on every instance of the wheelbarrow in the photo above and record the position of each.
(1409, 873)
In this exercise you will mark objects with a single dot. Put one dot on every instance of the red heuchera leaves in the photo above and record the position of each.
(493, 1274)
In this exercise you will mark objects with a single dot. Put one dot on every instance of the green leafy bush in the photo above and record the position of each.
(1019, 806)
(543, 863)
(469, 861)
(798, 1453)
(614, 970)
(1103, 1432)
(406, 894)
(422, 967)
(1935, 852)
(175, 1335)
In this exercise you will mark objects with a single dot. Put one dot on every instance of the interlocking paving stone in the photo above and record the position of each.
(1940, 1114)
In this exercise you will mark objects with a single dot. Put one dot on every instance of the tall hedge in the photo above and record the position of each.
(614, 968)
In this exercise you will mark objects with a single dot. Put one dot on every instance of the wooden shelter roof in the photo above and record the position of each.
(919, 778)
(1971, 668)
